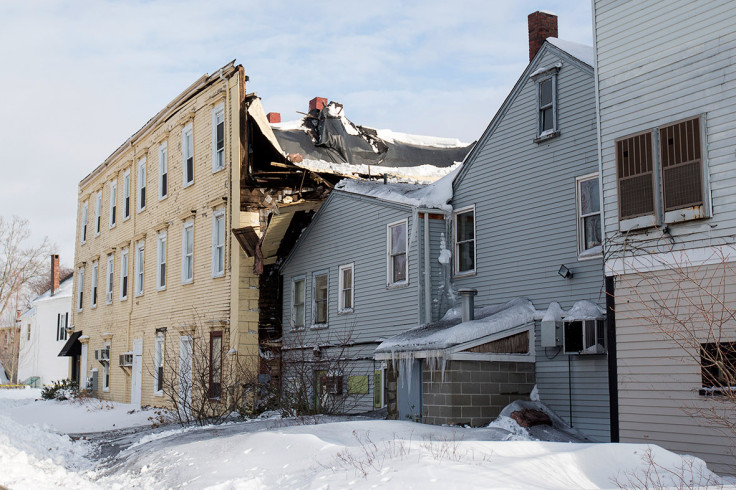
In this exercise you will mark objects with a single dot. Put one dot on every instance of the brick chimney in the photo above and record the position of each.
(54, 273)
(541, 26)
(317, 104)
(273, 117)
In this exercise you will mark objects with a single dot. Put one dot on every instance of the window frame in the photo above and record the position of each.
(140, 263)
(217, 111)
(85, 218)
(390, 283)
(124, 270)
(586, 253)
(294, 280)
(98, 213)
(539, 77)
(141, 181)
(106, 369)
(456, 245)
(113, 205)
(315, 275)
(126, 195)
(187, 151)
(94, 284)
(109, 283)
(219, 214)
(161, 261)
(163, 171)
(187, 226)
(213, 393)
(158, 363)
(341, 309)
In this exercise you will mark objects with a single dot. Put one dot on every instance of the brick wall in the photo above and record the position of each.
(474, 392)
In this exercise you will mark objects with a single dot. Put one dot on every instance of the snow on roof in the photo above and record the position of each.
(580, 51)
(419, 140)
(64, 291)
(450, 331)
(421, 174)
(435, 195)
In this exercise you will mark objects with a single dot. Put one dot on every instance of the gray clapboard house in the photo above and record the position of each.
(526, 237)
(364, 269)
(667, 145)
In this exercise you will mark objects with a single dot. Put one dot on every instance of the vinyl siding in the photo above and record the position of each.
(526, 227)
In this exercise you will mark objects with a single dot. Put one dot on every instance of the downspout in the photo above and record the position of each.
(612, 364)
(427, 278)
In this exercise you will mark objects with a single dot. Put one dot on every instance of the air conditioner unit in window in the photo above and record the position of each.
(584, 336)
(126, 359)
(102, 355)
(108, 297)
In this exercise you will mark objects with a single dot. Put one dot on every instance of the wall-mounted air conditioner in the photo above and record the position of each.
(126, 359)
(584, 336)
(102, 355)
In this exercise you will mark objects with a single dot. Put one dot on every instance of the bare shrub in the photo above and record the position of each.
(686, 475)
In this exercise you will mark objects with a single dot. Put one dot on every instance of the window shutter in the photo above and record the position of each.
(635, 163)
(680, 156)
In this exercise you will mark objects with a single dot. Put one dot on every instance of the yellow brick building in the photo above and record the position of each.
(160, 286)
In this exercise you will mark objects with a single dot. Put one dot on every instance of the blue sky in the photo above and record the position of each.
(80, 77)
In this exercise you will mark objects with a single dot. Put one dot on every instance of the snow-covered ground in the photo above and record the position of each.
(316, 452)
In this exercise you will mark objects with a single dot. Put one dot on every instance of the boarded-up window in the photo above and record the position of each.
(635, 166)
(680, 157)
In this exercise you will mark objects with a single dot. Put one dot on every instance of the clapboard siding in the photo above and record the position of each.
(526, 227)
(649, 77)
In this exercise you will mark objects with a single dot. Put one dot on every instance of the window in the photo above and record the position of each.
(584, 336)
(589, 214)
(187, 252)
(215, 364)
(158, 373)
(142, 185)
(110, 276)
(397, 258)
(187, 151)
(113, 202)
(139, 267)
(124, 274)
(717, 367)
(80, 289)
(161, 261)
(218, 243)
(62, 321)
(98, 212)
(345, 300)
(126, 195)
(84, 222)
(106, 369)
(546, 85)
(28, 332)
(297, 302)
(95, 270)
(319, 305)
(667, 158)
(163, 185)
(218, 138)
(464, 241)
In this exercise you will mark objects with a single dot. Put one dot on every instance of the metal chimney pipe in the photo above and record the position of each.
(467, 304)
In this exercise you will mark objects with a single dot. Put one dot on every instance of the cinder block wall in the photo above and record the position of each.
(473, 392)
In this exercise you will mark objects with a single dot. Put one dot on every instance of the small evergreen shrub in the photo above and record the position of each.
(64, 389)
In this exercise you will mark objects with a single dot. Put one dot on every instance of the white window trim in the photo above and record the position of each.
(163, 168)
(85, 218)
(110, 278)
(113, 205)
(294, 280)
(538, 77)
(80, 289)
(141, 184)
(98, 213)
(140, 268)
(584, 254)
(161, 246)
(184, 278)
(124, 270)
(314, 324)
(220, 109)
(94, 284)
(158, 360)
(389, 262)
(340, 301)
(455, 244)
(220, 213)
(188, 129)
(106, 370)
(126, 190)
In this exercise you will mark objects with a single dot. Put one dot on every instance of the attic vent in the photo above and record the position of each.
(635, 164)
(679, 148)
